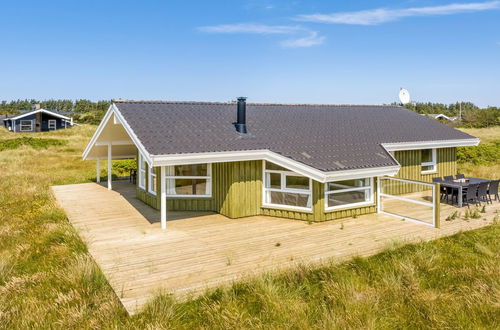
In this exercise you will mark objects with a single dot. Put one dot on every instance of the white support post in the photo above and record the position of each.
(98, 170)
(163, 203)
(110, 176)
(379, 207)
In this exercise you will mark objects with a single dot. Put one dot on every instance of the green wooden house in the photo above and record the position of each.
(299, 161)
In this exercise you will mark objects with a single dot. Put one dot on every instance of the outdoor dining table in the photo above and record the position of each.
(458, 184)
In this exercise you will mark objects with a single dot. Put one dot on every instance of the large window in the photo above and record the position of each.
(189, 180)
(52, 124)
(348, 193)
(428, 160)
(26, 125)
(152, 181)
(284, 188)
(142, 172)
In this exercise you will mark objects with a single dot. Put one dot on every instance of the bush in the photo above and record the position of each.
(482, 154)
(124, 166)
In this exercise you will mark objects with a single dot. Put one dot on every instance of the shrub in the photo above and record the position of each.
(124, 166)
(482, 154)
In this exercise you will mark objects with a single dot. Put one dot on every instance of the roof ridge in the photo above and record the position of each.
(256, 103)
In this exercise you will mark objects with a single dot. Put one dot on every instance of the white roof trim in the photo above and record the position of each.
(113, 110)
(430, 144)
(36, 111)
(292, 165)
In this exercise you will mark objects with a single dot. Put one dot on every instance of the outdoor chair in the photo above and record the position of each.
(482, 192)
(442, 189)
(493, 190)
(448, 178)
(470, 194)
(460, 176)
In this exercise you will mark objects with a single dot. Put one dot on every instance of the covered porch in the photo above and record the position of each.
(205, 249)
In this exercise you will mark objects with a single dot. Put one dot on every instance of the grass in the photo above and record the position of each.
(36, 143)
(48, 280)
(481, 162)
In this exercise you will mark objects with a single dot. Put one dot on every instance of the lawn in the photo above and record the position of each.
(48, 280)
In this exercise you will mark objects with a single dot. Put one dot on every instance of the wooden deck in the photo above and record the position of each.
(200, 250)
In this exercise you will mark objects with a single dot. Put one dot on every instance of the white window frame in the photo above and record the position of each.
(142, 172)
(347, 189)
(55, 124)
(152, 179)
(283, 188)
(21, 125)
(432, 163)
(171, 177)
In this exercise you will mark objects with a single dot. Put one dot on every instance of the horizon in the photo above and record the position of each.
(270, 51)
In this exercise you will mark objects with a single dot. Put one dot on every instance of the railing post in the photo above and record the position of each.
(437, 205)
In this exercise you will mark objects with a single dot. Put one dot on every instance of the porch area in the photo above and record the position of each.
(201, 249)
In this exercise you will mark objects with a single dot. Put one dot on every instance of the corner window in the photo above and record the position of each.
(26, 125)
(347, 193)
(189, 180)
(142, 172)
(152, 181)
(428, 157)
(52, 124)
(284, 188)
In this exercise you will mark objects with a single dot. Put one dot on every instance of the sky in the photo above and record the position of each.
(339, 52)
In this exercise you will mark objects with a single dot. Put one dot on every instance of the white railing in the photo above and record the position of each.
(401, 197)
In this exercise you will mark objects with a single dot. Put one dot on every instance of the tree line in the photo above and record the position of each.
(86, 111)
(468, 114)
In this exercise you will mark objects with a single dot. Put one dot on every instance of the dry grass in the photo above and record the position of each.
(487, 135)
(48, 280)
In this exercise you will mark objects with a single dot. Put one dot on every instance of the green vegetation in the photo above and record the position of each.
(48, 279)
(472, 115)
(482, 161)
(482, 154)
(123, 167)
(36, 143)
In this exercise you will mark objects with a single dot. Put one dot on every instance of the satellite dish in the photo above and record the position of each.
(404, 96)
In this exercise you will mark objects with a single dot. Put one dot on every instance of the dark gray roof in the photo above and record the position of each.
(326, 137)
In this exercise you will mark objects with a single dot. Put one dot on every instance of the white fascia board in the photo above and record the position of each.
(297, 167)
(238, 156)
(362, 173)
(97, 132)
(113, 110)
(430, 144)
(40, 110)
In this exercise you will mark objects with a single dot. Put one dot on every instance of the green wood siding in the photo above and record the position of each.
(237, 190)
(410, 161)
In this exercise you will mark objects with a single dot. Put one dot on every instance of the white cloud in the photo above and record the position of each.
(383, 15)
(313, 39)
(250, 28)
(302, 37)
